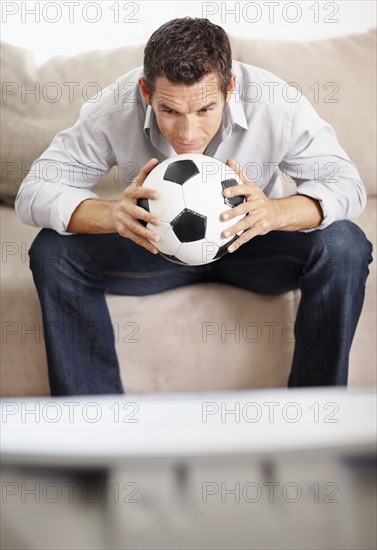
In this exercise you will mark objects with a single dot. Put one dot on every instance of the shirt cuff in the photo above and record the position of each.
(64, 206)
(326, 200)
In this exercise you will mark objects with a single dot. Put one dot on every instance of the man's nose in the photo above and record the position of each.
(186, 129)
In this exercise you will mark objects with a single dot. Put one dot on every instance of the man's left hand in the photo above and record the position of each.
(260, 212)
(262, 215)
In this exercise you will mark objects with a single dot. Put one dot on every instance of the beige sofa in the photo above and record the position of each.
(204, 337)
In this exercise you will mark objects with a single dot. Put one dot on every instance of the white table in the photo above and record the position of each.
(248, 469)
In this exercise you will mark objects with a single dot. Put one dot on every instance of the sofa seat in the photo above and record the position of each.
(212, 337)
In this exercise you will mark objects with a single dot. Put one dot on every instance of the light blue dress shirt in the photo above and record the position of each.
(266, 127)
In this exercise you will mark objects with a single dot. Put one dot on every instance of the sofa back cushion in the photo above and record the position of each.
(337, 76)
(41, 100)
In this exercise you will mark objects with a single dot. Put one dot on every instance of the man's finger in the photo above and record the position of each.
(241, 189)
(146, 169)
(140, 240)
(241, 173)
(146, 193)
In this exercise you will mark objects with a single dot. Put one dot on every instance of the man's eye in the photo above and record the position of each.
(169, 111)
(206, 109)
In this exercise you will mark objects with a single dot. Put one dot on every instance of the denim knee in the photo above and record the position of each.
(346, 247)
(49, 249)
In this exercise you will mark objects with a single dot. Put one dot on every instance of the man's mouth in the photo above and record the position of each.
(188, 146)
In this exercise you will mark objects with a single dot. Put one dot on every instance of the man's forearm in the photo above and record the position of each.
(92, 216)
(298, 212)
(293, 213)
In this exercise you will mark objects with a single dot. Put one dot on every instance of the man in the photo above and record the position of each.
(190, 98)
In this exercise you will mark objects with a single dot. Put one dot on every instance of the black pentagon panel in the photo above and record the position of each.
(189, 226)
(181, 171)
(143, 203)
(173, 259)
(232, 201)
(224, 248)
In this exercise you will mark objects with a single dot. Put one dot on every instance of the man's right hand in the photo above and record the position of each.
(126, 213)
(97, 216)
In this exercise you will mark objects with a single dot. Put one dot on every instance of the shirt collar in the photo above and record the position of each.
(152, 131)
(236, 110)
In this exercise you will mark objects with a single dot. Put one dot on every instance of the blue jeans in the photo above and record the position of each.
(73, 273)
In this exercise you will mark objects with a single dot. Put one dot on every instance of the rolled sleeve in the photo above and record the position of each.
(321, 168)
(62, 177)
(55, 207)
(326, 201)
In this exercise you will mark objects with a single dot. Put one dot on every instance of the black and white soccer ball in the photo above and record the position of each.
(190, 188)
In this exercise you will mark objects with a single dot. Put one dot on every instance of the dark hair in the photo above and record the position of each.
(185, 50)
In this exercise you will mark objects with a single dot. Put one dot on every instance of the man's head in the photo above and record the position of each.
(187, 76)
(185, 50)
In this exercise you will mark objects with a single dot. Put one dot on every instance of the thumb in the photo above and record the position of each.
(236, 167)
(241, 172)
(146, 169)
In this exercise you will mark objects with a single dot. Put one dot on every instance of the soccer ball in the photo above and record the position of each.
(190, 202)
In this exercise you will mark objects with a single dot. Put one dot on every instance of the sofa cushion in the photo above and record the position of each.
(215, 336)
(339, 70)
(31, 120)
(338, 76)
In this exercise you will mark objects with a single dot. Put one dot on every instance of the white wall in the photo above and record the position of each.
(65, 27)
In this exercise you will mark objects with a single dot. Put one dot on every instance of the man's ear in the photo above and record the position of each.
(145, 91)
(231, 87)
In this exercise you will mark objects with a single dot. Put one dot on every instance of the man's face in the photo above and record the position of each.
(187, 116)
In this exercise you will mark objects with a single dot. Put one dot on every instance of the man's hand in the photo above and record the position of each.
(96, 216)
(263, 215)
(126, 213)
